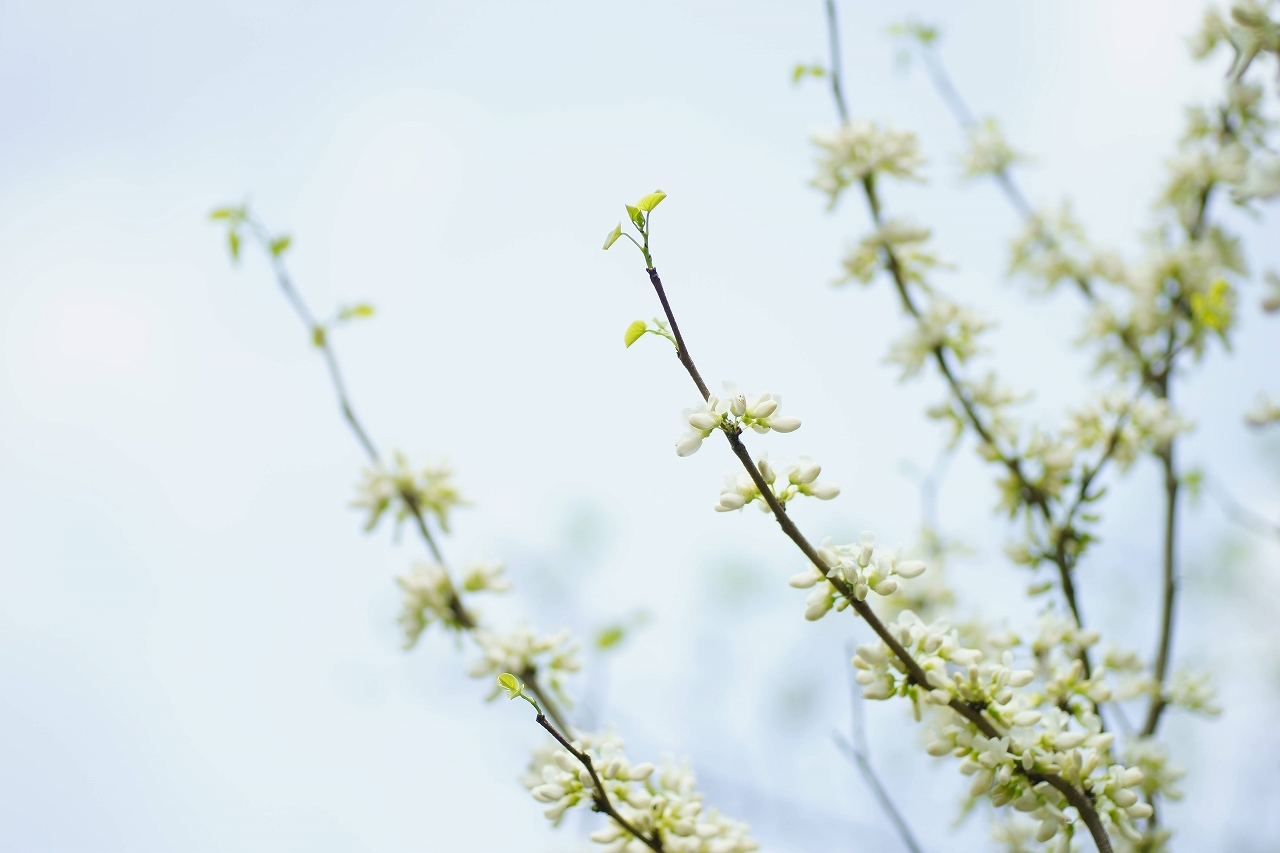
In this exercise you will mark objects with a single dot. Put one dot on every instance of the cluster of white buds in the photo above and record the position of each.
(860, 566)
(860, 149)
(485, 576)
(1193, 691)
(988, 152)
(785, 482)
(989, 395)
(1035, 734)
(521, 651)
(661, 803)
(1052, 248)
(430, 491)
(907, 242)
(1046, 466)
(733, 413)
(428, 597)
(1159, 774)
(1124, 425)
(942, 324)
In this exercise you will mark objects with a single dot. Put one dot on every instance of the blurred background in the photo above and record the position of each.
(198, 648)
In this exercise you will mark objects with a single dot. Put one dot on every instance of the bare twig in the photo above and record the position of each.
(856, 752)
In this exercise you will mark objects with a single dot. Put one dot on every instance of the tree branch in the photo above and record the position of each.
(914, 672)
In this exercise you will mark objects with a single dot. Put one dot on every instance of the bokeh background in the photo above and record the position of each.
(198, 648)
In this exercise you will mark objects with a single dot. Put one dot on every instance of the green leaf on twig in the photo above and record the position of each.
(613, 236)
(634, 332)
(280, 245)
(651, 201)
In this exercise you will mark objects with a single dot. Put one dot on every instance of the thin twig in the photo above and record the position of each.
(857, 753)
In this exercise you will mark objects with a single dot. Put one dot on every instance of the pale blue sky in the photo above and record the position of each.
(197, 644)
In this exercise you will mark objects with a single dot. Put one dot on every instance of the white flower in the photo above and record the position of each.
(784, 482)
(862, 568)
(943, 324)
(988, 152)
(907, 244)
(430, 491)
(428, 597)
(659, 802)
(861, 148)
(734, 413)
(521, 650)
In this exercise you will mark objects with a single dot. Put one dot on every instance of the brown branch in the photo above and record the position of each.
(915, 673)
(601, 797)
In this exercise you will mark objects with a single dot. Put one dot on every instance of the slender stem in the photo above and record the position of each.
(857, 753)
(1165, 643)
(971, 712)
(529, 675)
(602, 803)
(833, 33)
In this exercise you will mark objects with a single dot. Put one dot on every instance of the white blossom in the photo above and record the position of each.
(861, 149)
(428, 597)
(943, 324)
(988, 152)
(431, 491)
(785, 483)
(862, 568)
(733, 413)
(521, 650)
(906, 241)
(657, 801)
(1193, 691)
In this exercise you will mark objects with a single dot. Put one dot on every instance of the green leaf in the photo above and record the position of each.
(351, 312)
(233, 242)
(222, 213)
(511, 684)
(651, 201)
(280, 245)
(634, 332)
(636, 216)
(610, 637)
(613, 236)
(318, 336)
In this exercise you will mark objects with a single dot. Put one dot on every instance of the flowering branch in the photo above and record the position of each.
(971, 711)
(437, 584)
(601, 803)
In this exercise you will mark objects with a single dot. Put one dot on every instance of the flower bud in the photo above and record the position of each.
(688, 444)
(784, 424)
(1021, 677)
(910, 568)
(824, 491)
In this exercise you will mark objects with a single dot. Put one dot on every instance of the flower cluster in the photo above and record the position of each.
(988, 395)
(1052, 248)
(989, 153)
(861, 566)
(1124, 426)
(429, 597)
(733, 414)
(1038, 732)
(905, 241)
(522, 651)
(662, 803)
(861, 149)
(429, 491)
(1193, 691)
(943, 324)
(785, 483)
